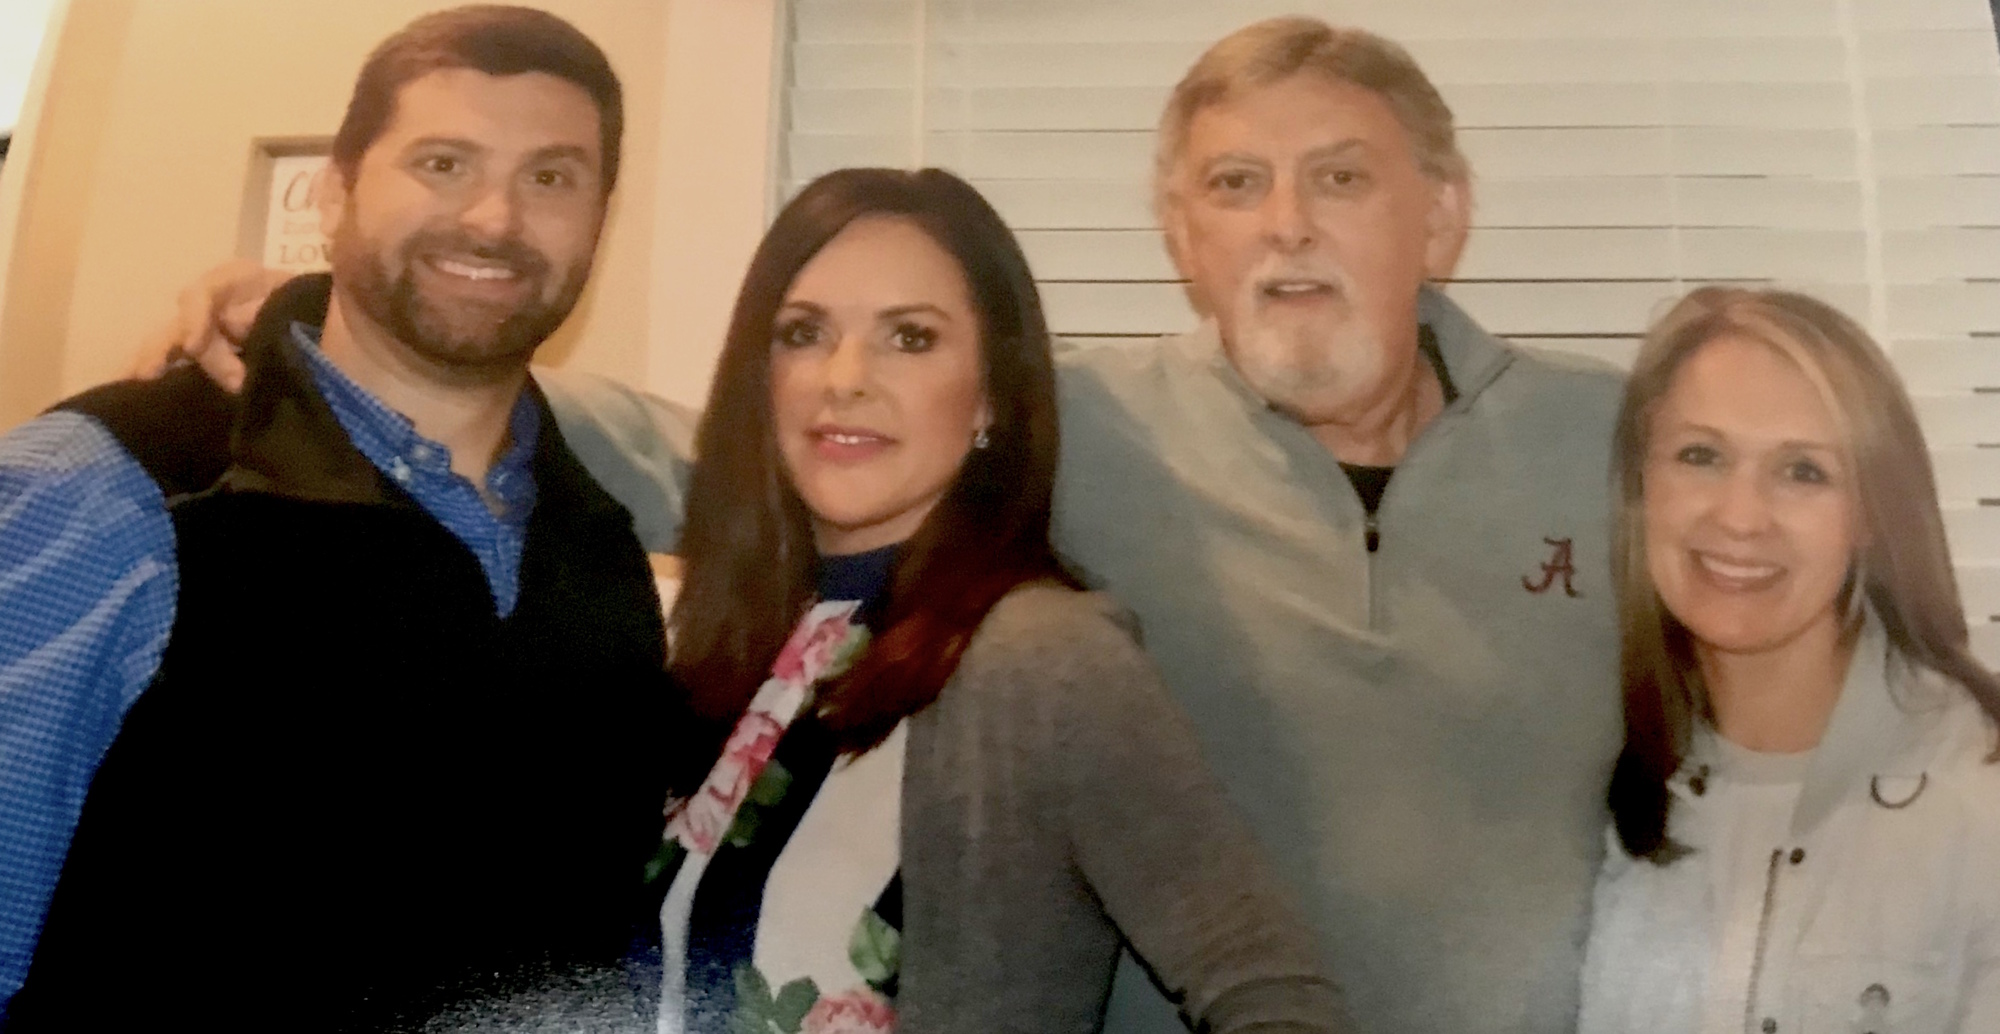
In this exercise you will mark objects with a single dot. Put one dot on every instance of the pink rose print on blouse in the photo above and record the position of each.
(699, 823)
(815, 651)
(703, 819)
(860, 1011)
(823, 638)
(743, 758)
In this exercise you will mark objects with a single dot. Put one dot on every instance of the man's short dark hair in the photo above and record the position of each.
(490, 38)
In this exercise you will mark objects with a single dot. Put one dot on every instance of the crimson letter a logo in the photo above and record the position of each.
(1557, 566)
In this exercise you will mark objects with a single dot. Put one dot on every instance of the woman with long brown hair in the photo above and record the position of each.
(926, 780)
(1806, 813)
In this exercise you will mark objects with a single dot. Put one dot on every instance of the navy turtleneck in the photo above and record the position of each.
(858, 576)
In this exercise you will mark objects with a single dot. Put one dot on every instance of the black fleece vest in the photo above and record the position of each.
(353, 794)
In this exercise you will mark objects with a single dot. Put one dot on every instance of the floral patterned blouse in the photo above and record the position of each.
(783, 907)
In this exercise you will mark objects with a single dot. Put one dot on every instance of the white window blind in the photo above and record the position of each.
(1622, 151)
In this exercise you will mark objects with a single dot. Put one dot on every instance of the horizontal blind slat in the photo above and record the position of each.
(1508, 153)
(1966, 474)
(1941, 253)
(1106, 21)
(810, 156)
(1519, 254)
(1474, 105)
(1979, 589)
(1958, 418)
(1942, 309)
(1937, 150)
(1097, 203)
(1986, 643)
(1939, 100)
(1974, 534)
(854, 65)
(854, 21)
(1946, 364)
(1892, 104)
(1131, 308)
(1889, 15)
(1960, 51)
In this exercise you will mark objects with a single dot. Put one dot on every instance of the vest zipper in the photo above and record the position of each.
(1763, 941)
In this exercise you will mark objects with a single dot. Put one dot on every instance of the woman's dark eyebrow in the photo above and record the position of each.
(918, 307)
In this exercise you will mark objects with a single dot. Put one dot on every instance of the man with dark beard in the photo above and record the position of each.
(370, 662)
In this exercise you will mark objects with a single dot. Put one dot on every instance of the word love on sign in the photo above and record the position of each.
(292, 240)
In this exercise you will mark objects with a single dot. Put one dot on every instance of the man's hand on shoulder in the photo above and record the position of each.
(211, 317)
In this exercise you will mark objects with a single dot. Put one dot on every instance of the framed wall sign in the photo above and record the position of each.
(281, 206)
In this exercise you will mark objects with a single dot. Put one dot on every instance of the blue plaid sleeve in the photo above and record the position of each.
(87, 591)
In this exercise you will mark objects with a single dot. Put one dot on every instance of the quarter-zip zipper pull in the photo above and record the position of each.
(1374, 533)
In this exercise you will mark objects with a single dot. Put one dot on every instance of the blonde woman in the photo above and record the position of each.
(1807, 819)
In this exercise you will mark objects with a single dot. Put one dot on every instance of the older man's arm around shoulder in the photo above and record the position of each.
(639, 447)
(87, 590)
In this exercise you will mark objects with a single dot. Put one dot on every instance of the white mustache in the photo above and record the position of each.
(1278, 270)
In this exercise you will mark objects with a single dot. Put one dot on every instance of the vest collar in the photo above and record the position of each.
(286, 440)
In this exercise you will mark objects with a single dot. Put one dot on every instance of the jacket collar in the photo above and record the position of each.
(1472, 356)
(286, 440)
(1878, 728)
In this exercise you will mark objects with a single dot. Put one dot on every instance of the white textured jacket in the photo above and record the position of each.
(1881, 909)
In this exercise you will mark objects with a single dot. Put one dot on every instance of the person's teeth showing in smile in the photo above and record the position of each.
(1285, 289)
(1735, 572)
(474, 271)
(1749, 512)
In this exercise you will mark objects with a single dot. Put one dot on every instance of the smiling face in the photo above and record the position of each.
(876, 384)
(1306, 228)
(467, 232)
(1749, 502)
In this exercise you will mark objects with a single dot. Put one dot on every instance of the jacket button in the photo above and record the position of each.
(1770, 1025)
(1798, 855)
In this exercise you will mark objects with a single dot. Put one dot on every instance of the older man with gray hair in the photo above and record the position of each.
(1366, 539)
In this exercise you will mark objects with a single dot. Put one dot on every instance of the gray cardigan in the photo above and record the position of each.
(1054, 799)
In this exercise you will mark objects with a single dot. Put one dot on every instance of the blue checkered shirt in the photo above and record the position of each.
(87, 591)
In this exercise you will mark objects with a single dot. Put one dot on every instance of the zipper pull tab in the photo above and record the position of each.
(1374, 536)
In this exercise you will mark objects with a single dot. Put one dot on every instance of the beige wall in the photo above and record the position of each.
(133, 175)
(714, 189)
(39, 241)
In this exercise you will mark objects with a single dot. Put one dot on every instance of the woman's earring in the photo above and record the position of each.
(980, 439)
